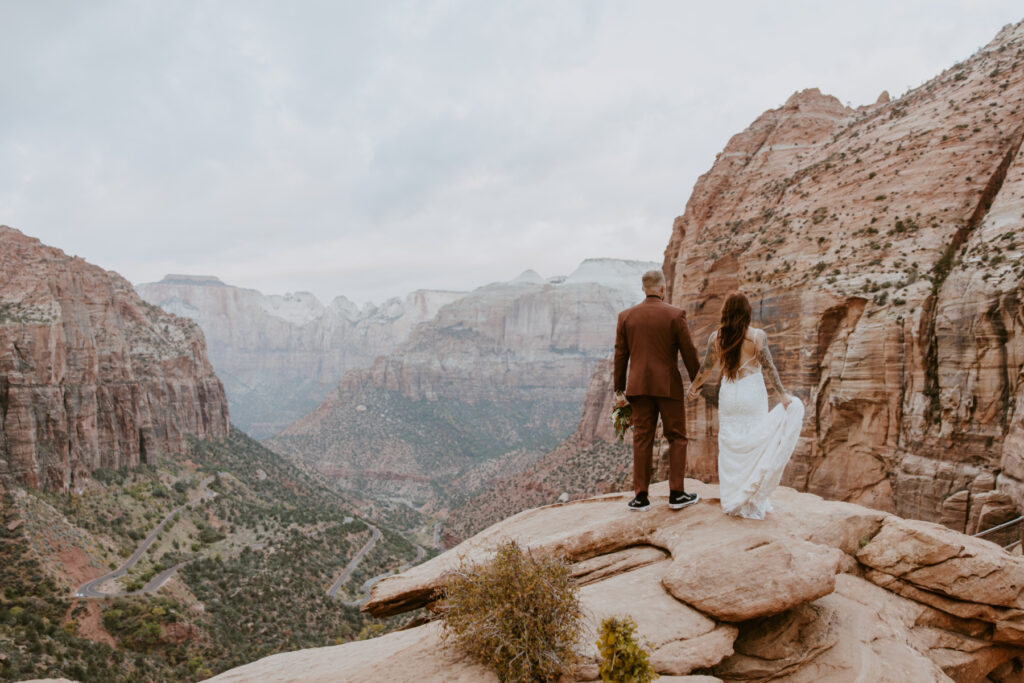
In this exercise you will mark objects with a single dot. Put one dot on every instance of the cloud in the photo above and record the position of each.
(368, 149)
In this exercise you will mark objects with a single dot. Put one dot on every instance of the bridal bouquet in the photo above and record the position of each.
(622, 418)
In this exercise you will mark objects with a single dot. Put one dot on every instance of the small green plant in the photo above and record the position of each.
(518, 614)
(622, 658)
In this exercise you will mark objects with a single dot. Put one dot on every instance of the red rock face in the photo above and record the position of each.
(881, 250)
(90, 375)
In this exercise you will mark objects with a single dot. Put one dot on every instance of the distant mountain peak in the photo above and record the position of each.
(194, 280)
(530, 276)
(611, 272)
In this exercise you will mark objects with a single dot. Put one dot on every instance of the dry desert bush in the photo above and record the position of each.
(518, 613)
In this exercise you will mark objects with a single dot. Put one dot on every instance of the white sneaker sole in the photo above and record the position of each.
(680, 506)
(643, 509)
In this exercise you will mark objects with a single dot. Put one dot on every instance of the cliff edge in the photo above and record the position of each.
(91, 375)
(820, 590)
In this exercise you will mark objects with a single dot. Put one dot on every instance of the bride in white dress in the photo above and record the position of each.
(754, 444)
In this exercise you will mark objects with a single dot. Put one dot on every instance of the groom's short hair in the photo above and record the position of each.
(653, 279)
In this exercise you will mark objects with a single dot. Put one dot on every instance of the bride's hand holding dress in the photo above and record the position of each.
(754, 444)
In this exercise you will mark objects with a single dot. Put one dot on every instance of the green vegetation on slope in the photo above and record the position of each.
(579, 472)
(38, 624)
(384, 442)
(130, 502)
(260, 556)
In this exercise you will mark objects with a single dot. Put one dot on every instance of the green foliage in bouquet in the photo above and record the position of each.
(622, 658)
(518, 614)
(622, 418)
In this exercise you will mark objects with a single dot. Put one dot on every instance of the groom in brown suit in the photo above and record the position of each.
(649, 340)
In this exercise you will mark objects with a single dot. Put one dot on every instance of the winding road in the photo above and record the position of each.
(90, 589)
(354, 562)
(369, 583)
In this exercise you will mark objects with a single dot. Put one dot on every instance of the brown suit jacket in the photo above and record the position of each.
(649, 338)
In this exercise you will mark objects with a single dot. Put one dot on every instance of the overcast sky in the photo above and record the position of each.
(372, 148)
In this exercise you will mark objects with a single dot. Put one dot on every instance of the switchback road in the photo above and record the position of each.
(354, 562)
(369, 583)
(90, 589)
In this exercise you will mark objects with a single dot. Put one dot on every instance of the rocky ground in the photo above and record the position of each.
(818, 591)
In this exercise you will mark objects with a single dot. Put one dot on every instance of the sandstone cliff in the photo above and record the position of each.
(503, 368)
(881, 250)
(280, 356)
(90, 375)
(819, 591)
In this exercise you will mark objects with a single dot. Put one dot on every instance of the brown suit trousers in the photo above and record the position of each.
(649, 340)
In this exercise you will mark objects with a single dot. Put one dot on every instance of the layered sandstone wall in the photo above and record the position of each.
(881, 250)
(515, 336)
(503, 368)
(280, 355)
(90, 375)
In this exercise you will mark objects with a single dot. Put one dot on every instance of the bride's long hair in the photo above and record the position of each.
(732, 331)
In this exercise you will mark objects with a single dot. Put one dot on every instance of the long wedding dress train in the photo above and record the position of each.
(754, 444)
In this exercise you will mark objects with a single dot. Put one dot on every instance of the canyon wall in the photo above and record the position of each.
(279, 356)
(881, 250)
(91, 375)
(502, 369)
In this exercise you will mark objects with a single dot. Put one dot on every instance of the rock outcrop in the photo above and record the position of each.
(881, 250)
(90, 374)
(502, 369)
(280, 356)
(820, 590)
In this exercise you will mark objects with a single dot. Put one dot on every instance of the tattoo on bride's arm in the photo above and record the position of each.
(764, 357)
(706, 367)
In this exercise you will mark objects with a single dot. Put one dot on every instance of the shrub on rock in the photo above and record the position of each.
(623, 660)
(518, 614)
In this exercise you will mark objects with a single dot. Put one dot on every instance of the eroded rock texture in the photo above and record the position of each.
(90, 375)
(500, 371)
(280, 355)
(818, 591)
(881, 250)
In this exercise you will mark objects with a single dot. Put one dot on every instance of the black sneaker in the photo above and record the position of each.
(677, 500)
(640, 502)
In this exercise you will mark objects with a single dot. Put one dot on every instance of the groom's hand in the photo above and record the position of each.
(620, 399)
(705, 391)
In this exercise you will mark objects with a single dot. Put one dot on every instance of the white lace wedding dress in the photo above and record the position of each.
(754, 444)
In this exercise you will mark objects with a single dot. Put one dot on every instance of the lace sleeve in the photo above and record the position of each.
(764, 357)
(707, 366)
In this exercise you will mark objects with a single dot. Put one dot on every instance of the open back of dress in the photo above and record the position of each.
(754, 444)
